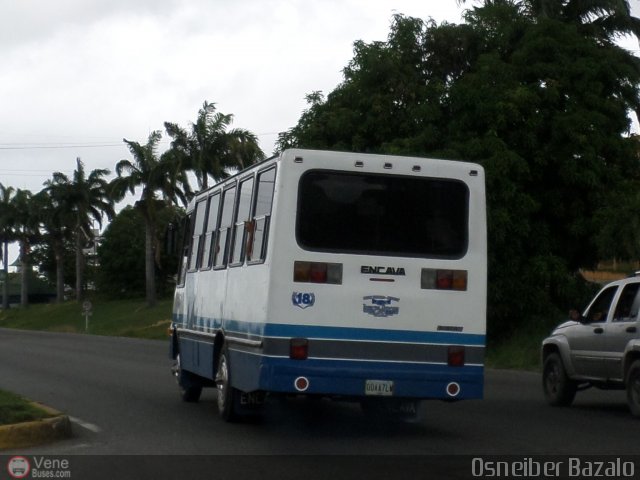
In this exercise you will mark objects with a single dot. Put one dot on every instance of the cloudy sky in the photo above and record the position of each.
(78, 76)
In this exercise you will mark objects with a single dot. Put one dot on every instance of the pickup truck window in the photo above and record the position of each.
(600, 306)
(627, 308)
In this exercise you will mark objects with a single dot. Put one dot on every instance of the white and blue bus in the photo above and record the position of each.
(352, 276)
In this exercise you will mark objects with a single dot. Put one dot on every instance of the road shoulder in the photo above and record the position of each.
(37, 432)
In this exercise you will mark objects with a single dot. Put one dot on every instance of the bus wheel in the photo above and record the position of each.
(227, 395)
(190, 388)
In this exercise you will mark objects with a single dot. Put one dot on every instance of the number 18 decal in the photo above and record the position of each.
(303, 300)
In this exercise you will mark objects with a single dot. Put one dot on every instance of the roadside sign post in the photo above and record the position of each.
(87, 312)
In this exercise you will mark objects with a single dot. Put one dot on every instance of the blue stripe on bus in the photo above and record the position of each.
(371, 334)
(337, 333)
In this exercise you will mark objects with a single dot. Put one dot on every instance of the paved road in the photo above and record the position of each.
(123, 401)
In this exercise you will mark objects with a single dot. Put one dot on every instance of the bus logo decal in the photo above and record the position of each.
(380, 306)
(368, 270)
(303, 300)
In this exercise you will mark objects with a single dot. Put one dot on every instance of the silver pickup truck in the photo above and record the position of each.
(600, 347)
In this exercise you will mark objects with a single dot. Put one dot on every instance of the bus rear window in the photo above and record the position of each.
(373, 214)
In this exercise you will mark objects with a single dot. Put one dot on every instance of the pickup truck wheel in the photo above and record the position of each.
(559, 389)
(190, 389)
(227, 395)
(633, 388)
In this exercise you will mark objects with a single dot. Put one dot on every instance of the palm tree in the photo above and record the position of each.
(162, 182)
(210, 149)
(603, 20)
(57, 221)
(7, 235)
(88, 198)
(26, 231)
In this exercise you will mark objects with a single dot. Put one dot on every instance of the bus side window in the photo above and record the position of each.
(186, 243)
(221, 251)
(258, 227)
(242, 218)
(212, 226)
(198, 227)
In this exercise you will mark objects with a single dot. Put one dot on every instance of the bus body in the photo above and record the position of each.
(346, 275)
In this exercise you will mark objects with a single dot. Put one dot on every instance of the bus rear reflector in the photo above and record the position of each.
(440, 279)
(301, 384)
(298, 348)
(455, 356)
(317, 272)
(453, 389)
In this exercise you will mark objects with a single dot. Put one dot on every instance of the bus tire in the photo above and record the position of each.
(190, 388)
(228, 396)
(559, 389)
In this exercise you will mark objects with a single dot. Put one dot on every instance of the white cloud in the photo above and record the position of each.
(77, 71)
(88, 71)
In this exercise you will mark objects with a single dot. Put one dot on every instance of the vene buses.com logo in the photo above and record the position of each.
(18, 467)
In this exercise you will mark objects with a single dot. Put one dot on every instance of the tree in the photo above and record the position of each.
(394, 96)
(57, 222)
(48, 262)
(88, 198)
(7, 235)
(209, 148)
(538, 102)
(26, 230)
(162, 182)
(122, 254)
(557, 102)
(600, 19)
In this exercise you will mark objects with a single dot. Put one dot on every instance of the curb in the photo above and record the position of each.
(37, 432)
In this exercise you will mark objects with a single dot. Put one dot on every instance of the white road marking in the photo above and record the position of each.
(89, 426)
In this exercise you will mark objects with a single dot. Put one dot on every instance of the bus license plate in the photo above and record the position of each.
(382, 388)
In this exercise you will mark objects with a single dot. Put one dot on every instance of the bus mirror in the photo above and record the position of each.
(171, 239)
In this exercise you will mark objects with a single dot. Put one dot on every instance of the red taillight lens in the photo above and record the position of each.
(440, 279)
(317, 272)
(298, 349)
(455, 356)
(444, 280)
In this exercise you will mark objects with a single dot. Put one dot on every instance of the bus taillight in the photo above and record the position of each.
(455, 356)
(440, 279)
(298, 348)
(317, 272)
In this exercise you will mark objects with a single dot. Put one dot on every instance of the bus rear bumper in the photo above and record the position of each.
(371, 378)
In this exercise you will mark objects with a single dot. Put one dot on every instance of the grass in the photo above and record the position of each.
(521, 350)
(125, 318)
(132, 318)
(15, 409)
